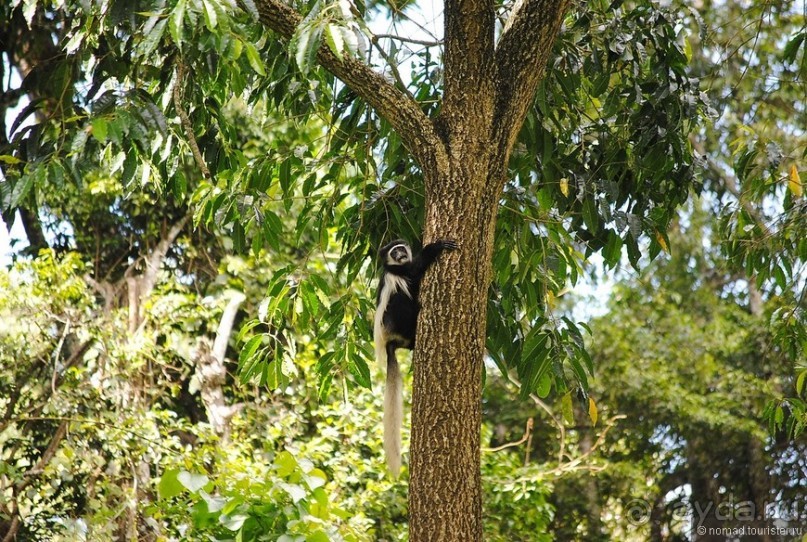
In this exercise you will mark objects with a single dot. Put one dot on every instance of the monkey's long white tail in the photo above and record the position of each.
(393, 415)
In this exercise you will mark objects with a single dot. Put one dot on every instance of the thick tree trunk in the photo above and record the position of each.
(488, 90)
(445, 486)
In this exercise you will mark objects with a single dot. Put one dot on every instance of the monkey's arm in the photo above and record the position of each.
(431, 252)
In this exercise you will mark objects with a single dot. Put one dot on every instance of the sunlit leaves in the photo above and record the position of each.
(287, 500)
(331, 21)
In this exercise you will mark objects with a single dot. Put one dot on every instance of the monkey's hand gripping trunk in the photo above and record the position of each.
(393, 412)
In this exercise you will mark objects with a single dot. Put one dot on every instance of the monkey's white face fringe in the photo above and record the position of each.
(392, 284)
(392, 259)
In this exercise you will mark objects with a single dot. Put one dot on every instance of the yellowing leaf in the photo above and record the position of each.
(661, 241)
(9, 159)
(564, 186)
(687, 50)
(566, 408)
(794, 182)
(592, 411)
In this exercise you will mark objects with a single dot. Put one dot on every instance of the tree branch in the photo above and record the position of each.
(33, 227)
(521, 57)
(186, 121)
(522, 440)
(155, 259)
(139, 288)
(226, 325)
(406, 39)
(212, 372)
(405, 116)
(469, 49)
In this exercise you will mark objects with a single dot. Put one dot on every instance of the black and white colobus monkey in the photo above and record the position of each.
(397, 308)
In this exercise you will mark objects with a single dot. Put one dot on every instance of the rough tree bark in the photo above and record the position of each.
(489, 87)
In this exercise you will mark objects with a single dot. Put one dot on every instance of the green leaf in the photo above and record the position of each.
(544, 386)
(306, 47)
(152, 39)
(11, 160)
(534, 362)
(169, 485)
(590, 216)
(239, 238)
(285, 463)
(534, 347)
(299, 46)
(612, 252)
(211, 17)
(360, 370)
(579, 372)
(792, 47)
(175, 25)
(254, 59)
(252, 9)
(333, 37)
(317, 536)
(250, 348)
(779, 277)
(295, 491)
(192, 482)
(22, 188)
(634, 254)
(566, 408)
(215, 504)
(234, 522)
(99, 129)
(284, 175)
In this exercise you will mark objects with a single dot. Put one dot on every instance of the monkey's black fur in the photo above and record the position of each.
(400, 317)
(397, 308)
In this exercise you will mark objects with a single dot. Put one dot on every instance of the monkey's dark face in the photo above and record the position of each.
(399, 255)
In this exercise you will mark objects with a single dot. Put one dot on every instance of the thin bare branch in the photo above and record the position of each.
(155, 259)
(392, 65)
(576, 462)
(522, 440)
(425, 43)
